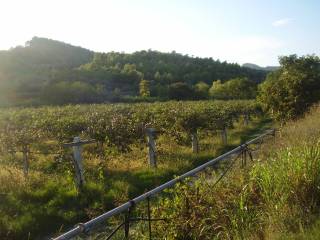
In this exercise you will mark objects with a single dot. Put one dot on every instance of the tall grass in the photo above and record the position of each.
(47, 201)
(277, 197)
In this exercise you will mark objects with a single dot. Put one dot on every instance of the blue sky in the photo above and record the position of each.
(233, 30)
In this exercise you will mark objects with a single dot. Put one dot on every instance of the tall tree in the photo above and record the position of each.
(144, 88)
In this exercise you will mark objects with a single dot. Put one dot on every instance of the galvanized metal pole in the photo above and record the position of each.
(149, 218)
(100, 219)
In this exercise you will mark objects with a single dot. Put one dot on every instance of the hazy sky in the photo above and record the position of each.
(256, 31)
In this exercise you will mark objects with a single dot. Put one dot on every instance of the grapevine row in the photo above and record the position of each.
(116, 125)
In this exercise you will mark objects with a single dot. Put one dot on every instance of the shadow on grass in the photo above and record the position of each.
(119, 185)
(146, 179)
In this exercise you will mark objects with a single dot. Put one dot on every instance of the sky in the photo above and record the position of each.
(237, 31)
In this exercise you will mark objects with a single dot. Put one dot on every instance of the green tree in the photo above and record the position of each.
(71, 92)
(202, 89)
(288, 93)
(237, 88)
(144, 88)
(157, 76)
(216, 90)
(180, 91)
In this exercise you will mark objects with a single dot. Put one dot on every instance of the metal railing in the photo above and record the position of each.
(242, 150)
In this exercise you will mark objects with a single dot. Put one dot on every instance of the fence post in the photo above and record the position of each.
(152, 147)
(274, 135)
(77, 156)
(246, 119)
(127, 220)
(195, 143)
(25, 153)
(224, 136)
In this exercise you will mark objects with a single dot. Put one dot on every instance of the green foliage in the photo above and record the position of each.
(180, 91)
(276, 199)
(116, 126)
(29, 73)
(144, 88)
(238, 88)
(72, 92)
(290, 91)
(47, 200)
(202, 90)
(19, 129)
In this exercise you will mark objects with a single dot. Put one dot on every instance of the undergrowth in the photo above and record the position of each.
(47, 202)
(276, 197)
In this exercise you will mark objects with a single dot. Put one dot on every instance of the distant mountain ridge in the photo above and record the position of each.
(257, 67)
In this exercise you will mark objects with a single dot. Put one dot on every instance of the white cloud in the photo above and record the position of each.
(282, 22)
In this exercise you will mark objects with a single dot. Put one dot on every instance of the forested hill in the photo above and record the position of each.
(25, 70)
(43, 52)
(173, 67)
(45, 71)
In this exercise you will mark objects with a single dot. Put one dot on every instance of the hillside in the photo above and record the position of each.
(257, 67)
(24, 71)
(43, 52)
(46, 71)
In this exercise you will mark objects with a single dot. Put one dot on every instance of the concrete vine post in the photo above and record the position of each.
(224, 136)
(151, 132)
(77, 159)
(246, 119)
(25, 154)
(195, 142)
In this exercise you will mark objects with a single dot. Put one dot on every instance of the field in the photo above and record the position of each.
(39, 196)
(275, 197)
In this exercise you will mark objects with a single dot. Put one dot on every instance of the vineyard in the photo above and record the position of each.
(118, 125)
(39, 194)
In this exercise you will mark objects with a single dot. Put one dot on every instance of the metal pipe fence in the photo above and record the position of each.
(83, 230)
